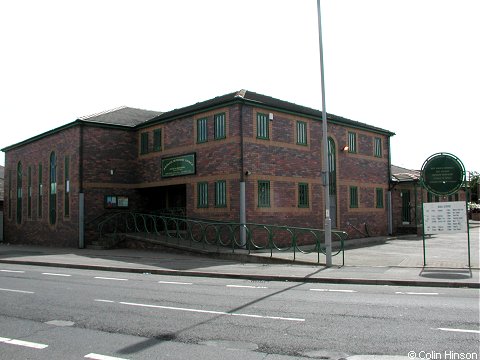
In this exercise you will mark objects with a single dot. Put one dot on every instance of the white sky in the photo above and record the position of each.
(408, 66)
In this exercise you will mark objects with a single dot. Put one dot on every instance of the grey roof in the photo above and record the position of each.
(123, 116)
(400, 174)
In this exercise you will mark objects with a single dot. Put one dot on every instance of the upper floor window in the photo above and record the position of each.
(262, 126)
(220, 131)
(377, 150)
(202, 130)
(144, 143)
(301, 133)
(352, 142)
(157, 139)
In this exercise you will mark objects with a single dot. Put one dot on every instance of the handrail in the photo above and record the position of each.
(259, 237)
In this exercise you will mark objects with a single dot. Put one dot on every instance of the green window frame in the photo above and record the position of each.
(67, 187)
(10, 192)
(29, 192)
(352, 142)
(263, 193)
(219, 126)
(301, 133)
(144, 143)
(221, 193)
(157, 140)
(379, 197)
(19, 192)
(303, 195)
(40, 191)
(263, 131)
(202, 130)
(202, 195)
(353, 197)
(377, 149)
(53, 189)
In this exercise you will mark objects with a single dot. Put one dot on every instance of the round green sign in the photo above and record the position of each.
(443, 174)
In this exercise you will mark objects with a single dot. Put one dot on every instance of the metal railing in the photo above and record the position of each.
(225, 236)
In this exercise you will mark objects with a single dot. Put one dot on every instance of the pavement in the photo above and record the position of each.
(374, 261)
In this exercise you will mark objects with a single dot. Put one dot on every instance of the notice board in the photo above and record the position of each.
(445, 217)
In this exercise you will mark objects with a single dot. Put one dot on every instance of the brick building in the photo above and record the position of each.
(209, 160)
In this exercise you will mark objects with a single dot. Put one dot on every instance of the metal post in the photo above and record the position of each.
(328, 221)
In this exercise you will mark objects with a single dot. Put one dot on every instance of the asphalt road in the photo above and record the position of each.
(56, 313)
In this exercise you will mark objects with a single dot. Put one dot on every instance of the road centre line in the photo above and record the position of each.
(105, 301)
(175, 283)
(205, 311)
(17, 291)
(109, 278)
(247, 286)
(23, 343)
(460, 330)
(56, 274)
(102, 357)
(334, 290)
(414, 293)
(13, 271)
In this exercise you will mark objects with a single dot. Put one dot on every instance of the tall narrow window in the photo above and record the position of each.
(144, 143)
(53, 189)
(301, 133)
(202, 130)
(19, 193)
(377, 150)
(202, 195)
(352, 142)
(10, 194)
(40, 190)
(157, 139)
(67, 187)
(263, 193)
(379, 197)
(221, 193)
(29, 192)
(262, 126)
(303, 195)
(353, 197)
(220, 126)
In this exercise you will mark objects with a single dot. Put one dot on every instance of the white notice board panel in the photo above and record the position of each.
(445, 217)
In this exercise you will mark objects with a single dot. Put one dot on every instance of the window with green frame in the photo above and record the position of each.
(29, 192)
(19, 192)
(262, 126)
(379, 197)
(221, 193)
(352, 142)
(144, 143)
(10, 192)
(157, 139)
(40, 191)
(202, 195)
(377, 150)
(263, 193)
(303, 195)
(219, 129)
(353, 197)
(202, 130)
(301, 133)
(67, 187)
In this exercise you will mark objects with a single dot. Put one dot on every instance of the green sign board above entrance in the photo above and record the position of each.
(443, 174)
(179, 165)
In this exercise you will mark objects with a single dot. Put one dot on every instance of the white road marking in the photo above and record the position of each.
(175, 283)
(210, 312)
(460, 330)
(22, 343)
(105, 301)
(109, 278)
(18, 291)
(13, 271)
(55, 274)
(102, 357)
(335, 290)
(415, 293)
(247, 286)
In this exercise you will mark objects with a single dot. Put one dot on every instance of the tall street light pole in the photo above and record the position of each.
(326, 180)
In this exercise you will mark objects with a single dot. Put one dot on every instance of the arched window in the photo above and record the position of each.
(19, 192)
(53, 189)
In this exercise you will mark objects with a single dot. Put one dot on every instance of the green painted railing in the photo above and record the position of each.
(223, 235)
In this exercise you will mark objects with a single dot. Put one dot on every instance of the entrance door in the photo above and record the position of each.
(406, 218)
(332, 179)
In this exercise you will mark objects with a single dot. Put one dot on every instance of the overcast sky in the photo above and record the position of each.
(408, 66)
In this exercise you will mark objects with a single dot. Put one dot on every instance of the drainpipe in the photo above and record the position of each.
(243, 213)
(389, 193)
(81, 195)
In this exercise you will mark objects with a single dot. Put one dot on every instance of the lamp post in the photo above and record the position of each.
(326, 180)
